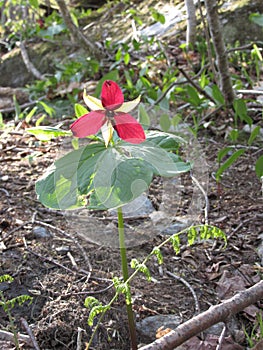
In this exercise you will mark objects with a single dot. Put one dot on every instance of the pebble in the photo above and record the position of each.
(41, 232)
(149, 325)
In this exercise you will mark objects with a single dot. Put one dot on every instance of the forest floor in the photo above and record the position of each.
(51, 262)
(43, 267)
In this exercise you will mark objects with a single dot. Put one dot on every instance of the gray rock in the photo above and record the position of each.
(40, 232)
(140, 206)
(149, 325)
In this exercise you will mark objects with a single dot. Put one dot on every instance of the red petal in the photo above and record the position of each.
(111, 95)
(88, 124)
(128, 128)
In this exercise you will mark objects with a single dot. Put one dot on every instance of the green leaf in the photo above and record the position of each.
(110, 177)
(96, 310)
(165, 122)
(49, 110)
(118, 54)
(256, 18)
(46, 133)
(74, 19)
(222, 153)
(161, 162)
(217, 95)
(175, 240)
(52, 30)
(254, 133)
(112, 75)
(259, 167)
(191, 235)
(126, 58)
(157, 252)
(167, 141)
(80, 110)
(34, 3)
(119, 179)
(30, 114)
(194, 98)
(17, 107)
(68, 181)
(144, 118)
(6, 278)
(228, 163)
(91, 302)
(157, 16)
(241, 111)
(256, 53)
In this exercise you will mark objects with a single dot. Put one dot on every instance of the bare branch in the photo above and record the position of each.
(76, 34)
(216, 314)
(29, 65)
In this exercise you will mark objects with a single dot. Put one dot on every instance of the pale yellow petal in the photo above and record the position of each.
(107, 132)
(93, 103)
(128, 106)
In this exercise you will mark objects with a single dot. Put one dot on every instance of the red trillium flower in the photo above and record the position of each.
(108, 114)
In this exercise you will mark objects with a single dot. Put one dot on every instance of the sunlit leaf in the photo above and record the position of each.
(47, 133)
(80, 110)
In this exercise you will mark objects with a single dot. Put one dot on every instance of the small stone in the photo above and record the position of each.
(41, 232)
(140, 206)
(5, 178)
(149, 325)
(63, 250)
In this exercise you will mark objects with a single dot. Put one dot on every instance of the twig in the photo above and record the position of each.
(73, 240)
(245, 47)
(221, 338)
(8, 336)
(30, 333)
(8, 235)
(50, 260)
(79, 338)
(182, 280)
(23, 106)
(73, 261)
(238, 227)
(29, 65)
(206, 209)
(248, 92)
(215, 314)
(196, 86)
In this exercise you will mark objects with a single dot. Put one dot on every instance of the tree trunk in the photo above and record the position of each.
(221, 55)
(191, 23)
(76, 35)
(216, 314)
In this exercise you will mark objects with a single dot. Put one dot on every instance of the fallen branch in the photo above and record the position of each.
(216, 314)
(8, 336)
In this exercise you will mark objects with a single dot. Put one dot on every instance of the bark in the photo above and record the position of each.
(221, 54)
(76, 35)
(216, 314)
(191, 23)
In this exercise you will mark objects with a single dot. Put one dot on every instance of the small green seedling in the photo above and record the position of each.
(9, 304)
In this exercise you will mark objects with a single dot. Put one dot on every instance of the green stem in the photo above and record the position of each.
(125, 274)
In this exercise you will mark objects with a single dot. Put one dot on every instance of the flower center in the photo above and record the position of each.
(110, 115)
